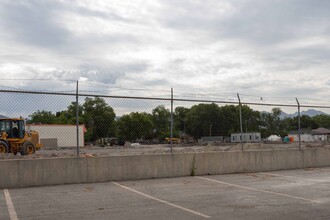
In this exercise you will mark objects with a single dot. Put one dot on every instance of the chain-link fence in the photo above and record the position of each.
(132, 123)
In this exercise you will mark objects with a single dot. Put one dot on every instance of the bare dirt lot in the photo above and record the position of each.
(135, 149)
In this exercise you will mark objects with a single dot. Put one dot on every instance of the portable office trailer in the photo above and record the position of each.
(247, 137)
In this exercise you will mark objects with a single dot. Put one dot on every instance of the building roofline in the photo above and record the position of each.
(54, 125)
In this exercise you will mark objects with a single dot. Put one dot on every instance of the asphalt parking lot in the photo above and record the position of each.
(290, 194)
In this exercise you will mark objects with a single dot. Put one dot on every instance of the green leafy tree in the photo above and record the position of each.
(204, 120)
(231, 120)
(322, 120)
(69, 116)
(305, 122)
(251, 119)
(229, 116)
(43, 117)
(288, 124)
(135, 126)
(271, 123)
(180, 118)
(98, 118)
(161, 120)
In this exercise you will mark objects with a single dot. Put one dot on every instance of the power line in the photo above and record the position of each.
(40, 79)
(121, 88)
(158, 93)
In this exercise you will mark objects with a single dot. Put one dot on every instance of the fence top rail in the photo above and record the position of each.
(159, 98)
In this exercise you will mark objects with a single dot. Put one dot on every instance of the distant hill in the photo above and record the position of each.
(309, 112)
(2, 116)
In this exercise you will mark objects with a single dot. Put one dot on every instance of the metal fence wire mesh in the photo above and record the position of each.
(81, 122)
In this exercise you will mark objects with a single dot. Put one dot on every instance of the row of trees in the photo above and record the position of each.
(199, 120)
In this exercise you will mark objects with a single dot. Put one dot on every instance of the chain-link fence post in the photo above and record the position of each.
(77, 118)
(299, 130)
(240, 119)
(171, 120)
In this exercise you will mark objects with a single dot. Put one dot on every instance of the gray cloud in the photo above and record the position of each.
(34, 22)
(264, 47)
(110, 72)
(260, 22)
(38, 23)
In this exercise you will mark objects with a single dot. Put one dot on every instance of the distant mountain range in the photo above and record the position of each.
(309, 112)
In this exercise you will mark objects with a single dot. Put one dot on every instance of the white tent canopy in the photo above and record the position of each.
(274, 138)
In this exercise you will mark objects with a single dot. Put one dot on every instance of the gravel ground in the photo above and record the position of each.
(134, 149)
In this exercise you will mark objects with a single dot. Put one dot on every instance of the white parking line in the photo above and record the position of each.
(163, 201)
(10, 206)
(291, 177)
(259, 190)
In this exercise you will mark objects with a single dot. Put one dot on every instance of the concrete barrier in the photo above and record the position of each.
(41, 172)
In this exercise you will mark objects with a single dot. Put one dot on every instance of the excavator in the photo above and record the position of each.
(15, 139)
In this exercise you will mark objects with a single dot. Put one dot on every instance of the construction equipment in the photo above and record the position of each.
(174, 140)
(14, 138)
(102, 142)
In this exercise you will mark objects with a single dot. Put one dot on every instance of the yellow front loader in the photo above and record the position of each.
(15, 139)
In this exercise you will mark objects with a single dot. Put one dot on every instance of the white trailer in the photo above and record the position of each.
(57, 135)
(247, 137)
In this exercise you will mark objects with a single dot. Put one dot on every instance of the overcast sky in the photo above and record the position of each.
(275, 48)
